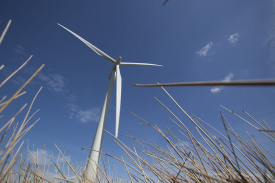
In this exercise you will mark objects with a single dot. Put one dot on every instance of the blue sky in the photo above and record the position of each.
(193, 40)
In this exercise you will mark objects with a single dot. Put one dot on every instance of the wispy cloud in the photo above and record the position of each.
(18, 80)
(21, 50)
(228, 77)
(40, 156)
(71, 98)
(204, 50)
(55, 82)
(83, 116)
(234, 38)
(218, 89)
(43, 157)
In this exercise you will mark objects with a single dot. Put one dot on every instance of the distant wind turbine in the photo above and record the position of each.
(91, 166)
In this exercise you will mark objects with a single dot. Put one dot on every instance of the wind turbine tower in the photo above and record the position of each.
(91, 166)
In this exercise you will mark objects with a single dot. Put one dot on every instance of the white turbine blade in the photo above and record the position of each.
(98, 51)
(129, 63)
(118, 96)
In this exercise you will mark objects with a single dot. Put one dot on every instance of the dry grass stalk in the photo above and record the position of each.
(79, 179)
(4, 33)
(217, 163)
(268, 82)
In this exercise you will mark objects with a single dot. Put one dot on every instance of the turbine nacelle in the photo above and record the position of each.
(118, 61)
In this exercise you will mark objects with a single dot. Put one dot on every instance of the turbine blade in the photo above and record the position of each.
(129, 63)
(118, 96)
(98, 51)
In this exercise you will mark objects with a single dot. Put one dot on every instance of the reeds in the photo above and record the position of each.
(200, 157)
(220, 160)
(9, 157)
(188, 160)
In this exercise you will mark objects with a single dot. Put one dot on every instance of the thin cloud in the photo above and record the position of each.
(204, 50)
(43, 157)
(19, 80)
(228, 77)
(21, 50)
(71, 98)
(83, 116)
(40, 156)
(55, 82)
(234, 38)
(215, 90)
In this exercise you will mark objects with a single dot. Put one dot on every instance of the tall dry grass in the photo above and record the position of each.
(9, 155)
(185, 159)
(188, 160)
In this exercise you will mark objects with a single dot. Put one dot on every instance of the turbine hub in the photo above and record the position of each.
(118, 61)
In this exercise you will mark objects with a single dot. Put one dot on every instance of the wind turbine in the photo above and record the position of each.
(91, 166)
